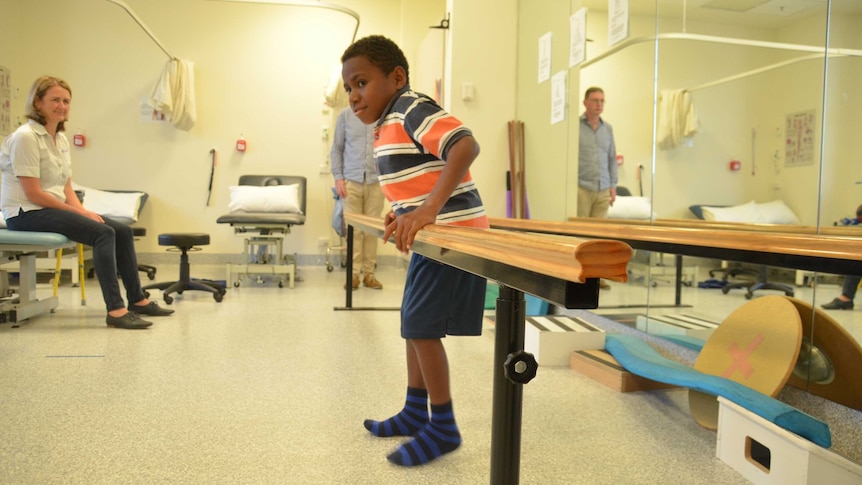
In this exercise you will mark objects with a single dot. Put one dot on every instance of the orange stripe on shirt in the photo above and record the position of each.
(481, 222)
(392, 134)
(432, 137)
(419, 186)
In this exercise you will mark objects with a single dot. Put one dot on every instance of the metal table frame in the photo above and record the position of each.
(514, 282)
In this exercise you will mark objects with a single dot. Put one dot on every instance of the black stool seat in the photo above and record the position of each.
(184, 239)
(185, 242)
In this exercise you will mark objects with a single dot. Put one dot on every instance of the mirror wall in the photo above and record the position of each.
(775, 90)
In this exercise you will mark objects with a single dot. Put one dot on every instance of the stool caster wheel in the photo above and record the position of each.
(151, 275)
(222, 290)
(146, 294)
(329, 267)
(217, 297)
(725, 290)
(749, 295)
(179, 292)
(236, 284)
(169, 299)
(281, 284)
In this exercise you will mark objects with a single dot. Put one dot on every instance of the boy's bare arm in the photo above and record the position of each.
(404, 228)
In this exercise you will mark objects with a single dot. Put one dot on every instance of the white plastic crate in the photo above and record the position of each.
(767, 454)
(676, 325)
(552, 338)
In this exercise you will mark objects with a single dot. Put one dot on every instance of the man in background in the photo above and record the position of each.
(597, 160)
(356, 182)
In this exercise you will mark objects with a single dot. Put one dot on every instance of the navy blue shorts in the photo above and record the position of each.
(440, 300)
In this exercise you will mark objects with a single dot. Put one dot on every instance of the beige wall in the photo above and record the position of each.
(546, 145)
(483, 53)
(10, 53)
(739, 120)
(260, 72)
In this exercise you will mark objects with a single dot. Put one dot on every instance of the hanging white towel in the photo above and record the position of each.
(174, 94)
(677, 119)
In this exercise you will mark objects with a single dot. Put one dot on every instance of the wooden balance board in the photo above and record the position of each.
(757, 346)
(840, 382)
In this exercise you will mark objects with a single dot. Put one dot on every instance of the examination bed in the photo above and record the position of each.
(24, 246)
(263, 208)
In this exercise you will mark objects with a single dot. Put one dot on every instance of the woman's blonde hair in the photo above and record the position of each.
(40, 87)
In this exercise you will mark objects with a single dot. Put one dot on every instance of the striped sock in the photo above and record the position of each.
(411, 419)
(438, 437)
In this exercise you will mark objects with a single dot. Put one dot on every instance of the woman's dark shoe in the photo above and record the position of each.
(838, 304)
(130, 320)
(152, 309)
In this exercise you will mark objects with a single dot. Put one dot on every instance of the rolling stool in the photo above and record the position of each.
(185, 242)
(146, 268)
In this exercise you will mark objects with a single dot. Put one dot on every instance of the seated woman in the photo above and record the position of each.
(37, 195)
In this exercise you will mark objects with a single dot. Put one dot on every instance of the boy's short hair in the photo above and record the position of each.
(379, 51)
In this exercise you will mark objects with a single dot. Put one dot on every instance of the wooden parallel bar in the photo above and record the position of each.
(566, 258)
(824, 253)
(846, 231)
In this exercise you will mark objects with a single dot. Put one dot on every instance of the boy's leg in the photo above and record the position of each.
(433, 367)
(414, 415)
(440, 435)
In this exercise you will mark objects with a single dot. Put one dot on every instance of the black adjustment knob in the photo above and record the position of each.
(520, 367)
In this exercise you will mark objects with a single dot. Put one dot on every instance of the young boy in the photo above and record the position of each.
(423, 158)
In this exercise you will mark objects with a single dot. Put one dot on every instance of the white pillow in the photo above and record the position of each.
(117, 205)
(630, 207)
(777, 212)
(739, 213)
(271, 198)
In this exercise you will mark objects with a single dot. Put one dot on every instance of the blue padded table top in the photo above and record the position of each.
(31, 240)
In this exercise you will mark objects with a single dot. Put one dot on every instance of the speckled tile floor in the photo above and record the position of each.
(271, 386)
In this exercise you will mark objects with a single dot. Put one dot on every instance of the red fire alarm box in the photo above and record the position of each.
(735, 165)
(79, 140)
(241, 145)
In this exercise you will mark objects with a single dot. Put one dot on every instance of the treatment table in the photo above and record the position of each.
(24, 246)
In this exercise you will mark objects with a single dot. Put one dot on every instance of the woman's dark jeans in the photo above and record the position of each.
(113, 248)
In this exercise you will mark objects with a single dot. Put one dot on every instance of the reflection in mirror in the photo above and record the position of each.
(725, 121)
